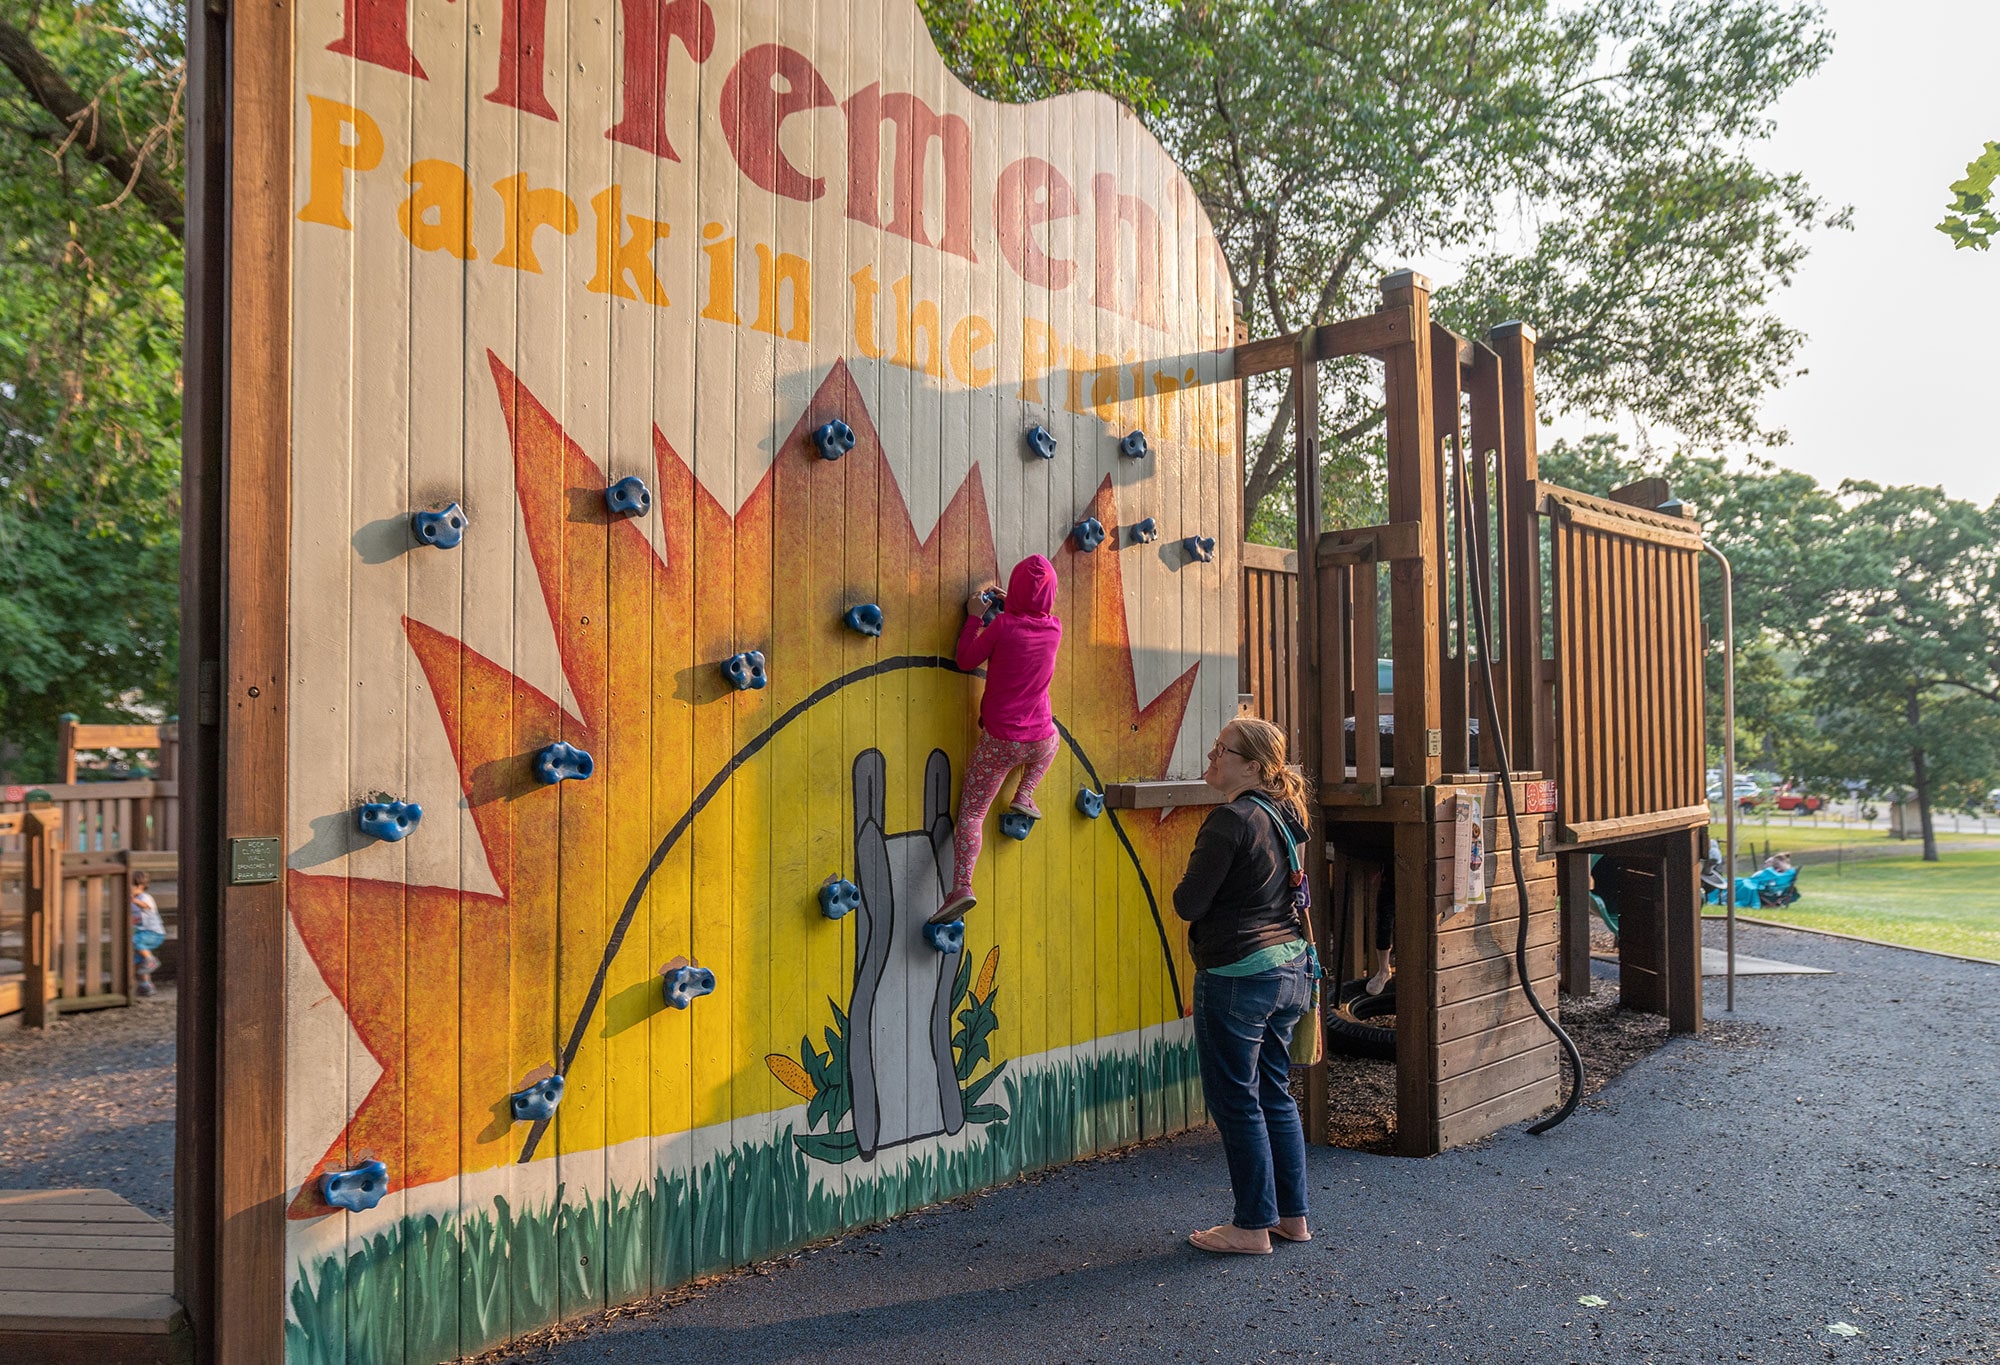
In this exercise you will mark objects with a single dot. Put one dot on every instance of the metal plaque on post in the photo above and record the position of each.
(254, 862)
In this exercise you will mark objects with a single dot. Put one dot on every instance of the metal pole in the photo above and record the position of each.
(1728, 767)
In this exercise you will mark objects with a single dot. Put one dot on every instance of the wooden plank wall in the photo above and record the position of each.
(1488, 1061)
(495, 303)
(1627, 594)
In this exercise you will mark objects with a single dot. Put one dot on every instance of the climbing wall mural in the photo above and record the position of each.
(665, 380)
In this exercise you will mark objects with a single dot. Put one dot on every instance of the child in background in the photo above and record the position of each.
(148, 933)
(1016, 727)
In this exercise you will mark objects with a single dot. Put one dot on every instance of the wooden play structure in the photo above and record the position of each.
(1600, 713)
(597, 420)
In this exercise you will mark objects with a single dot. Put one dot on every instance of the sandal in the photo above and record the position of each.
(954, 908)
(1219, 1248)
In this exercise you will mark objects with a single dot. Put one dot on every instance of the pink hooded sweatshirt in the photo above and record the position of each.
(1019, 651)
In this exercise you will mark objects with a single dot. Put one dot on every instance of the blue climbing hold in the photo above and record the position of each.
(1016, 825)
(1146, 532)
(356, 1190)
(629, 496)
(561, 761)
(839, 898)
(1199, 547)
(1088, 534)
(1042, 442)
(389, 820)
(834, 439)
(947, 938)
(745, 671)
(864, 617)
(996, 602)
(442, 529)
(1133, 445)
(1089, 802)
(539, 1100)
(683, 983)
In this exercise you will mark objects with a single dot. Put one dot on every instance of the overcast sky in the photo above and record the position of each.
(1902, 359)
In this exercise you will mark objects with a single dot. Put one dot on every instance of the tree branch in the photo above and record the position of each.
(47, 87)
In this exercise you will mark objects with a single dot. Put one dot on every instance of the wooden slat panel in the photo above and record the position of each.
(1471, 1091)
(41, 1311)
(1523, 1103)
(1487, 942)
(1455, 985)
(1465, 1052)
(89, 1258)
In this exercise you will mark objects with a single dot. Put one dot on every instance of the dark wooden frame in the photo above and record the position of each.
(235, 590)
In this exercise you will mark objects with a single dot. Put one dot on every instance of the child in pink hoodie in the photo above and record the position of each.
(1016, 728)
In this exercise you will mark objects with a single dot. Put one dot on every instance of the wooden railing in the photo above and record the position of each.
(104, 817)
(65, 921)
(1629, 753)
(1269, 664)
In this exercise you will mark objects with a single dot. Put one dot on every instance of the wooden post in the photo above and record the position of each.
(1450, 542)
(1416, 1013)
(1573, 928)
(1413, 583)
(41, 897)
(1308, 667)
(1528, 733)
(1682, 900)
(1489, 446)
(66, 748)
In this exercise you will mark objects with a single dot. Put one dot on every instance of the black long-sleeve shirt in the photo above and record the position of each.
(1236, 894)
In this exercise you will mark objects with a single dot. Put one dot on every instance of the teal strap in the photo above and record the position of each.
(1264, 959)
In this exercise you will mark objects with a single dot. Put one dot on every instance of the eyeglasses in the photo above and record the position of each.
(1218, 748)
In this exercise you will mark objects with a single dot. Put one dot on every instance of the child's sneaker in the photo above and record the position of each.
(954, 907)
(1025, 805)
(146, 988)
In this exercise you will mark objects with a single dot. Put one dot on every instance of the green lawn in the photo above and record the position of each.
(1951, 906)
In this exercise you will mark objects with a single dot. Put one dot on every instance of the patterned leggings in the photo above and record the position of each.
(992, 759)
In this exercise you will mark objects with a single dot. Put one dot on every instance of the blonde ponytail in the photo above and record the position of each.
(1263, 744)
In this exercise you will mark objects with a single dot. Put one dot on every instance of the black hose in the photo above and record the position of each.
(1481, 584)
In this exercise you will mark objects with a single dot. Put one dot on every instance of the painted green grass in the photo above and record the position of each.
(425, 1291)
(1952, 906)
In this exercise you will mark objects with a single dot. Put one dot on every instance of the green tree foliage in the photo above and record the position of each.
(1587, 163)
(90, 325)
(1902, 665)
(1969, 220)
(1021, 50)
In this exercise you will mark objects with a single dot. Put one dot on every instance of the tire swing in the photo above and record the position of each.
(1349, 1031)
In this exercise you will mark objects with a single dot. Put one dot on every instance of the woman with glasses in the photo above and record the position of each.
(1252, 985)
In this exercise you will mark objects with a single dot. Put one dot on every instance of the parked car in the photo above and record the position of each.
(1744, 790)
(1790, 798)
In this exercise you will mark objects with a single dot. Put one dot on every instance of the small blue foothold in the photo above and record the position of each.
(1088, 534)
(1146, 532)
(442, 529)
(1199, 547)
(539, 1100)
(1089, 802)
(629, 496)
(834, 439)
(683, 983)
(1133, 445)
(1042, 442)
(1016, 825)
(947, 938)
(356, 1190)
(865, 617)
(745, 671)
(389, 820)
(560, 761)
(839, 898)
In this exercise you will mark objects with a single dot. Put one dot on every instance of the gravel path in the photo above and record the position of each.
(1826, 1157)
(90, 1102)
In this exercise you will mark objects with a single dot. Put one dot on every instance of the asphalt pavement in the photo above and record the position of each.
(1816, 1178)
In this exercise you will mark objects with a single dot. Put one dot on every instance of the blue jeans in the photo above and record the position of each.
(1243, 1036)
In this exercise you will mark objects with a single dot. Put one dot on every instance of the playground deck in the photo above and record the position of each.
(85, 1276)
